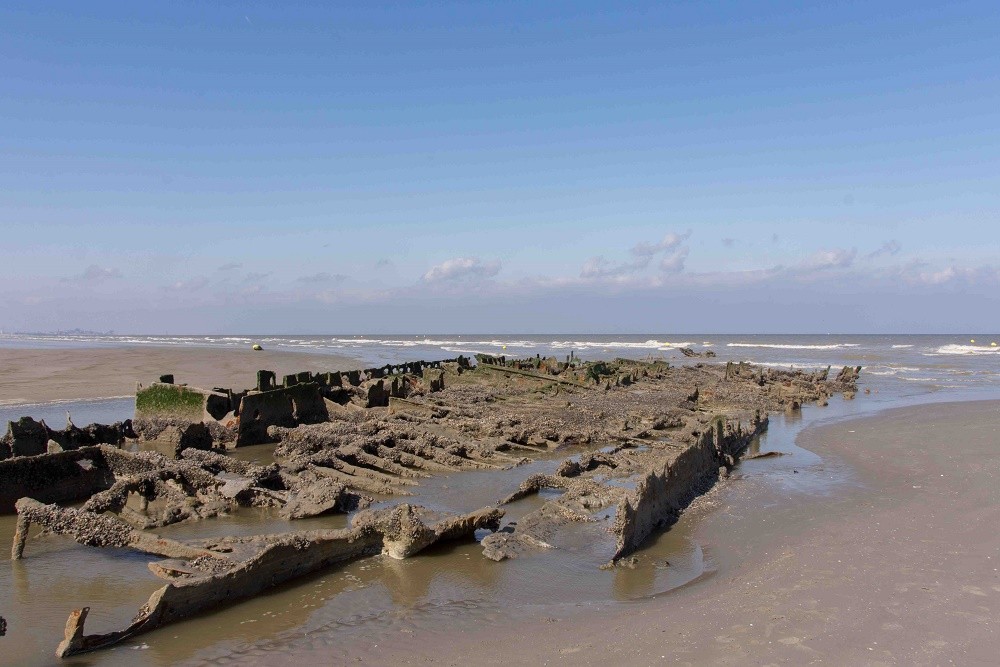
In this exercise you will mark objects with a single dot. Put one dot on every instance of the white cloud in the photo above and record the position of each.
(918, 272)
(838, 258)
(255, 277)
(945, 275)
(191, 285)
(674, 262)
(94, 274)
(322, 277)
(669, 242)
(599, 267)
(462, 268)
(891, 247)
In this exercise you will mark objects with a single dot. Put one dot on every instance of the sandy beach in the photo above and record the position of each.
(31, 375)
(894, 562)
(901, 569)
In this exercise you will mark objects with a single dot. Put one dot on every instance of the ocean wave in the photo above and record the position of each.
(785, 365)
(900, 347)
(890, 370)
(651, 344)
(484, 344)
(965, 349)
(790, 346)
(434, 342)
(494, 343)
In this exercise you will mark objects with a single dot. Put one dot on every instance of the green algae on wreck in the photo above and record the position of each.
(172, 399)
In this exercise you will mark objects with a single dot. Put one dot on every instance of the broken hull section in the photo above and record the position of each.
(399, 532)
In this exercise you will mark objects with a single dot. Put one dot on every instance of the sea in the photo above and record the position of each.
(341, 615)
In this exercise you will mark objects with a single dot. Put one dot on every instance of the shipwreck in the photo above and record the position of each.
(635, 442)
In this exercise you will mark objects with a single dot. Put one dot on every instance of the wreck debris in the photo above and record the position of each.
(648, 488)
(240, 418)
(27, 437)
(95, 530)
(165, 491)
(660, 494)
(260, 562)
(643, 439)
(405, 532)
(58, 477)
(312, 494)
(766, 455)
(688, 352)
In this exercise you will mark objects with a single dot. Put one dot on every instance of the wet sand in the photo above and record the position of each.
(898, 566)
(33, 375)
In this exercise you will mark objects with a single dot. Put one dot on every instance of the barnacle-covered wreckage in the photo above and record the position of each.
(634, 443)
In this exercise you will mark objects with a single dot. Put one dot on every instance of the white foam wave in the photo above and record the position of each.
(434, 342)
(786, 365)
(965, 349)
(900, 347)
(619, 344)
(890, 370)
(790, 346)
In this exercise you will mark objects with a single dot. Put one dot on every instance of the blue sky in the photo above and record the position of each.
(509, 167)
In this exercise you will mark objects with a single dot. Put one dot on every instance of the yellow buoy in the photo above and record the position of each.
(993, 344)
(504, 346)
(973, 340)
(256, 346)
